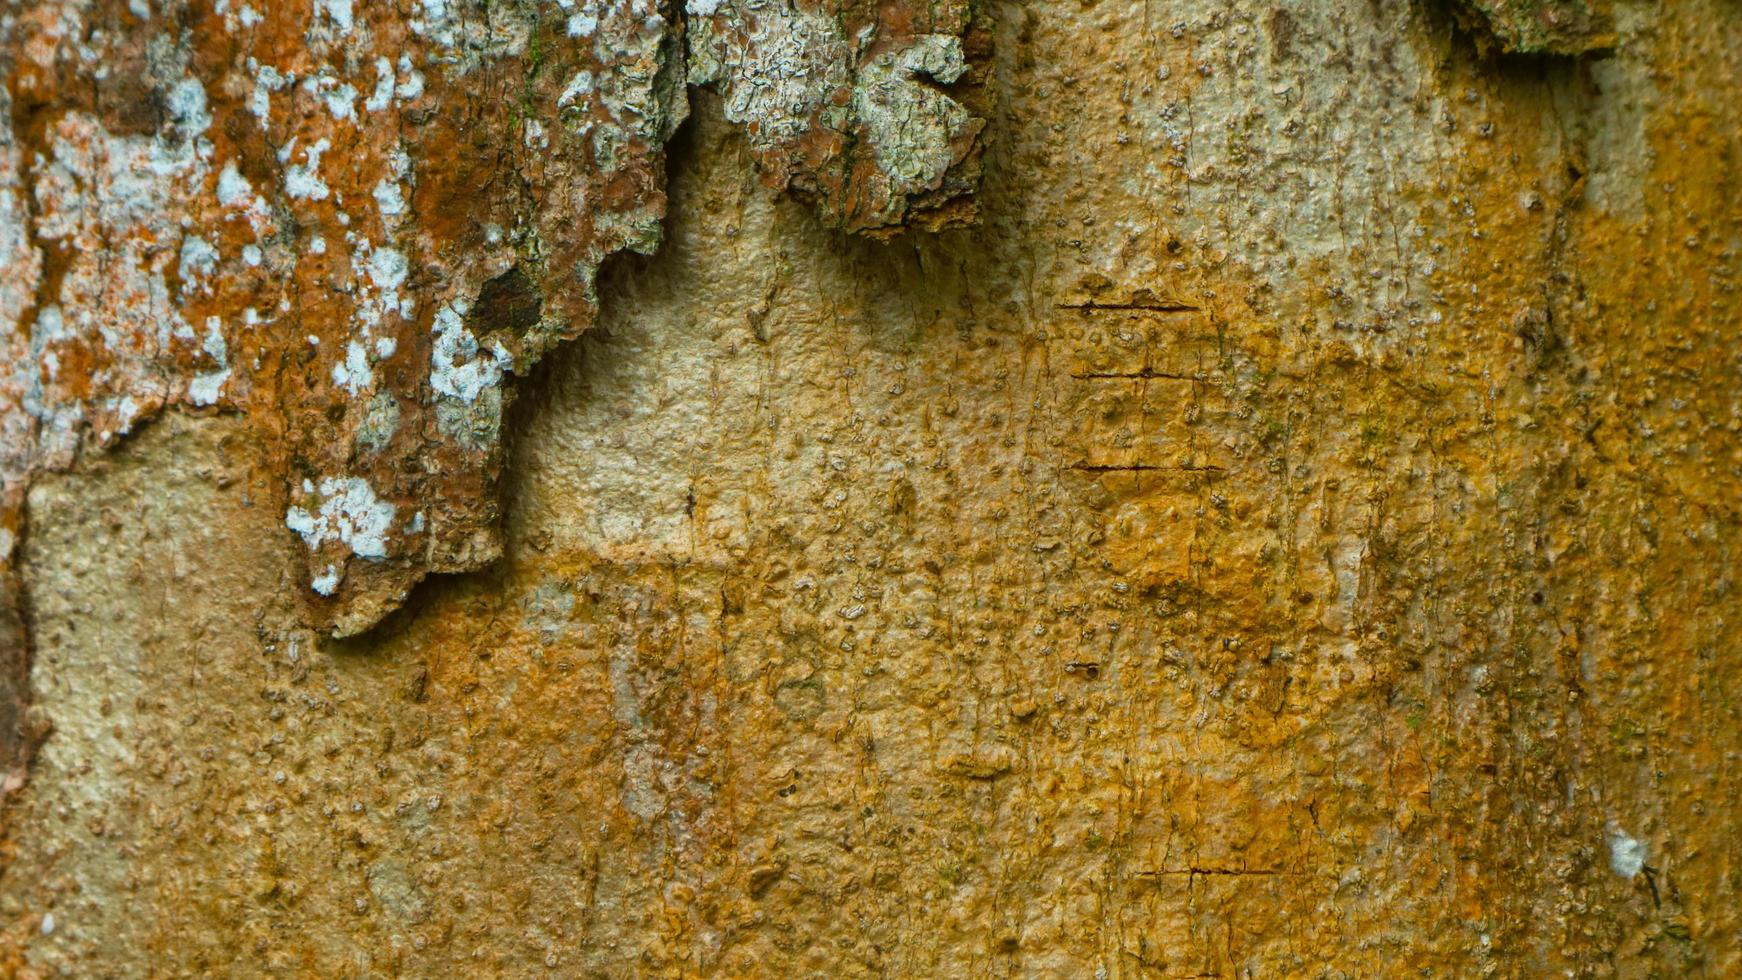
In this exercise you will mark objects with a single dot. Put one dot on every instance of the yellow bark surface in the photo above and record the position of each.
(1293, 531)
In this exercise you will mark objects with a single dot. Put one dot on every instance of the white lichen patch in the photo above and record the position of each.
(327, 582)
(205, 388)
(267, 80)
(382, 97)
(533, 134)
(436, 20)
(345, 509)
(411, 83)
(341, 101)
(198, 259)
(387, 270)
(354, 373)
(234, 190)
(1626, 854)
(303, 180)
(459, 367)
(581, 17)
(578, 88)
(336, 12)
(936, 55)
(378, 296)
(389, 199)
(187, 108)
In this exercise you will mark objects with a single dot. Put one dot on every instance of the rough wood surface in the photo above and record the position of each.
(1061, 489)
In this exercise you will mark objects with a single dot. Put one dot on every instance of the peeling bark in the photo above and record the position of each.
(356, 228)
(1292, 532)
(1567, 27)
(845, 103)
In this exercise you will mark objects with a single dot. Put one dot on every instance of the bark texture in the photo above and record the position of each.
(1066, 489)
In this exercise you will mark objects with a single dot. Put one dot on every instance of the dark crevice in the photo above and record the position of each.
(509, 303)
(1138, 305)
(1146, 374)
(1143, 468)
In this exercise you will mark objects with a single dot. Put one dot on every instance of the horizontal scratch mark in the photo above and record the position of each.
(1143, 468)
(1145, 374)
(1241, 872)
(1136, 306)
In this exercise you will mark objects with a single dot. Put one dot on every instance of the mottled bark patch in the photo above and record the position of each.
(851, 106)
(252, 210)
(1542, 26)
(355, 224)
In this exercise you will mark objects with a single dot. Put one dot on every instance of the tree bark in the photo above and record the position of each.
(805, 488)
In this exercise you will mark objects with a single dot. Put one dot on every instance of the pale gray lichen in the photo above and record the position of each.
(467, 378)
(327, 582)
(303, 180)
(1626, 854)
(459, 367)
(913, 125)
(205, 387)
(234, 190)
(198, 259)
(380, 421)
(776, 65)
(819, 100)
(345, 510)
(936, 55)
